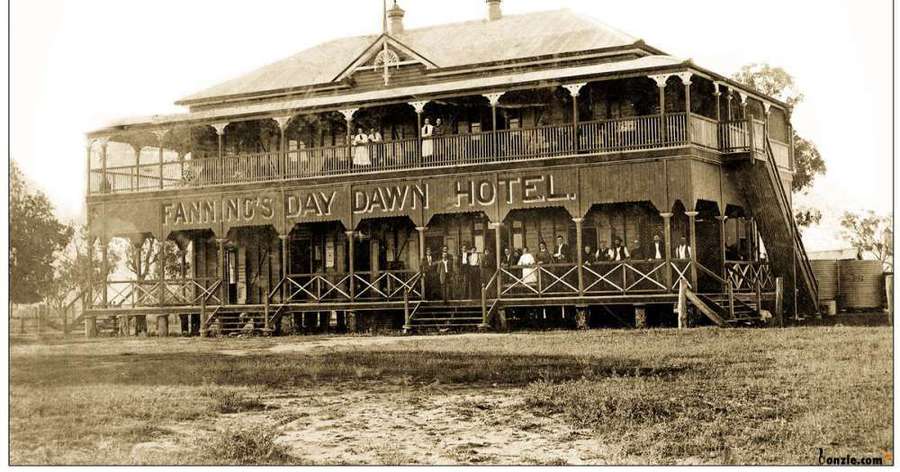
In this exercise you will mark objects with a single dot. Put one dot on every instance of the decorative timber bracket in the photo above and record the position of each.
(574, 89)
(494, 98)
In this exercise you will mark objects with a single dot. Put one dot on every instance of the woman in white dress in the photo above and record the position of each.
(529, 271)
(427, 143)
(361, 148)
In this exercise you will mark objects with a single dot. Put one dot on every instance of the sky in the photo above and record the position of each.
(78, 64)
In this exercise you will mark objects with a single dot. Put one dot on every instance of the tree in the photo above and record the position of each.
(73, 270)
(870, 233)
(772, 81)
(148, 254)
(36, 236)
(776, 82)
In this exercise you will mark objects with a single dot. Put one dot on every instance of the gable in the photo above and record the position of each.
(383, 56)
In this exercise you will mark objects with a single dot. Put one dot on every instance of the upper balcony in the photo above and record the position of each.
(333, 144)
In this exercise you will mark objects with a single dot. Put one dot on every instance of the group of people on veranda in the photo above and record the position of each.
(449, 277)
(366, 151)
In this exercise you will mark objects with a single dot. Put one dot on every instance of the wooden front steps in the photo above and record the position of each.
(441, 316)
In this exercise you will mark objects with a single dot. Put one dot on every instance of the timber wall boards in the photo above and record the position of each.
(575, 188)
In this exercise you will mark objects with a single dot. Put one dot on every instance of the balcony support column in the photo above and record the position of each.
(104, 183)
(579, 250)
(104, 270)
(421, 231)
(350, 235)
(282, 122)
(574, 92)
(420, 108)
(718, 95)
(90, 256)
(136, 182)
(348, 120)
(87, 166)
(692, 227)
(494, 99)
(667, 235)
(722, 248)
(220, 132)
(661, 85)
(160, 140)
(743, 97)
(161, 270)
(686, 81)
(730, 98)
(767, 109)
(223, 287)
(285, 258)
(498, 255)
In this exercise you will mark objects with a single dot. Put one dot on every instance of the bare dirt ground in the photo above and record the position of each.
(377, 424)
(700, 396)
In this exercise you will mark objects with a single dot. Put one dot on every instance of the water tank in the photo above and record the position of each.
(827, 276)
(861, 285)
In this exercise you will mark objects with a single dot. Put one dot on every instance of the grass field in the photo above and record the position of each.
(704, 396)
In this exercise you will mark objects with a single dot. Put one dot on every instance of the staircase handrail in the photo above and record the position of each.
(486, 311)
(205, 300)
(407, 313)
(705, 270)
(795, 233)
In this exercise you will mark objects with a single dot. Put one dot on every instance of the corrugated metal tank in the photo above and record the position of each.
(827, 276)
(861, 285)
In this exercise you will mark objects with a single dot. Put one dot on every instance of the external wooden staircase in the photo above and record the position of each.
(765, 193)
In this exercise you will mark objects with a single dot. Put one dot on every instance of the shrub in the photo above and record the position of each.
(249, 446)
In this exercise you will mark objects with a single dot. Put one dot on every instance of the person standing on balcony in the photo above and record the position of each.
(589, 257)
(529, 272)
(361, 149)
(375, 144)
(657, 250)
(618, 252)
(427, 143)
(637, 251)
(509, 258)
(543, 255)
(602, 254)
(439, 131)
(561, 256)
(683, 251)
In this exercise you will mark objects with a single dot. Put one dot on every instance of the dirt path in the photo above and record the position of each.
(341, 343)
(426, 425)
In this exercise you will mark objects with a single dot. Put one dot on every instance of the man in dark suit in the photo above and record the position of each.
(561, 256)
(429, 272)
(445, 275)
(637, 251)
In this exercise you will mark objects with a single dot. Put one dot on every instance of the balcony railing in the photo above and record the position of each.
(594, 137)
(618, 278)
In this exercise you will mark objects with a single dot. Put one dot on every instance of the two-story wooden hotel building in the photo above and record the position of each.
(551, 125)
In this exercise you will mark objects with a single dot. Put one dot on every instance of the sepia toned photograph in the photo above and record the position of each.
(479, 232)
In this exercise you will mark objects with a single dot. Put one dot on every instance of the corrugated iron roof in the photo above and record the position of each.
(415, 91)
(451, 45)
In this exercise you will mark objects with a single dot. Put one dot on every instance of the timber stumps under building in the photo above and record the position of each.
(274, 206)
